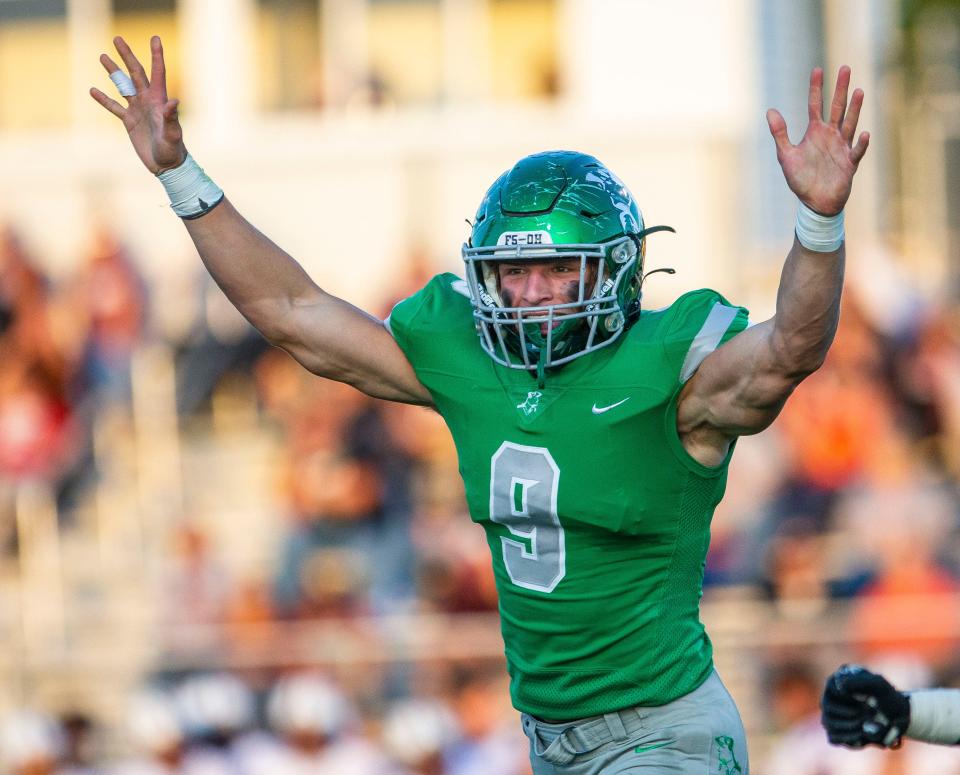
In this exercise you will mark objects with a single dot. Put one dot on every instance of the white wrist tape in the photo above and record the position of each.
(821, 233)
(935, 716)
(191, 192)
(123, 83)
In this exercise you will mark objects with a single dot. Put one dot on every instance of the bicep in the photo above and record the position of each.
(740, 388)
(334, 339)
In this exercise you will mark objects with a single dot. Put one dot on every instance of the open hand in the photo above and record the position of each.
(150, 118)
(820, 169)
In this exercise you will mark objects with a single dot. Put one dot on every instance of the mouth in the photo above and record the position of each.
(544, 326)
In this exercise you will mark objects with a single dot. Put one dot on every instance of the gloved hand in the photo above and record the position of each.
(862, 708)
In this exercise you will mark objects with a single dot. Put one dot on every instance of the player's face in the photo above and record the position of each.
(540, 284)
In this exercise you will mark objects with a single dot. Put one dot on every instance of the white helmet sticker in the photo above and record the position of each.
(524, 239)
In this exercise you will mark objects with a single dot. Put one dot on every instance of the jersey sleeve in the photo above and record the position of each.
(698, 323)
(434, 328)
(402, 321)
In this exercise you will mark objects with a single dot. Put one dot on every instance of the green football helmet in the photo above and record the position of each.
(557, 205)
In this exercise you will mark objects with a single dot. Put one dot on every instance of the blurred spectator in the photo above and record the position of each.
(31, 744)
(347, 481)
(36, 433)
(28, 336)
(796, 572)
(317, 732)
(454, 574)
(218, 713)
(491, 741)
(215, 709)
(839, 418)
(802, 749)
(928, 382)
(34, 411)
(156, 735)
(220, 341)
(416, 733)
(80, 744)
(910, 607)
(331, 583)
(195, 590)
(250, 618)
(111, 300)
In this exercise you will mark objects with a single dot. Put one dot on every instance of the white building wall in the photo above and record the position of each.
(670, 95)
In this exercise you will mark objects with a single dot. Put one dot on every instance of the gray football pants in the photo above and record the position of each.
(699, 734)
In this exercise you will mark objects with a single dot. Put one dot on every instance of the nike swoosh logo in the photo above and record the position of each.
(602, 409)
(645, 748)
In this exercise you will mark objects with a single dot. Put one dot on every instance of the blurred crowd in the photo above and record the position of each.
(215, 724)
(65, 354)
(848, 503)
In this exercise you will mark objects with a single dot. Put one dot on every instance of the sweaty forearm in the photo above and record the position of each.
(259, 278)
(808, 307)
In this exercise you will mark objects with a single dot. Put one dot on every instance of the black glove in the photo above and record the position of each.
(862, 708)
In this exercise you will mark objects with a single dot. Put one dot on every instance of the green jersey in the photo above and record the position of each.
(597, 518)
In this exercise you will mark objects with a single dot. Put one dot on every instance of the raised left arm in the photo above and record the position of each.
(741, 387)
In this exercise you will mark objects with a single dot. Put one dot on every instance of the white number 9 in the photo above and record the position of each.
(523, 496)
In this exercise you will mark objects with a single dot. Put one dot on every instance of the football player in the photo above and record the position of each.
(593, 435)
(862, 708)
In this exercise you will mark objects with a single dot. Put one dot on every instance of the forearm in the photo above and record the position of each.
(808, 308)
(325, 334)
(259, 278)
(935, 716)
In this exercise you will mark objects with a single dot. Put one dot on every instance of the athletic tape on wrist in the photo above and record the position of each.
(820, 233)
(935, 716)
(191, 192)
(123, 83)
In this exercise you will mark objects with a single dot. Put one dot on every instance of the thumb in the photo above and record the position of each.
(778, 128)
(170, 111)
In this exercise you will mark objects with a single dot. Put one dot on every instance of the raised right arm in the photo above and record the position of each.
(327, 335)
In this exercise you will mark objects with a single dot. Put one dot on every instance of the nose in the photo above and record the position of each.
(537, 290)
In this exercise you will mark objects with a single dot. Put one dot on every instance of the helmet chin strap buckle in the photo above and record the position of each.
(542, 369)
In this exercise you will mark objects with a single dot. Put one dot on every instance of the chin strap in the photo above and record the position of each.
(542, 369)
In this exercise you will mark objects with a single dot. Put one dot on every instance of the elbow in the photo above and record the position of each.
(797, 360)
(806, 363)
(276, 336)
(275, 322)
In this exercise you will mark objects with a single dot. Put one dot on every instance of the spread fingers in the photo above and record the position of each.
(137, 73)
(110, 104)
